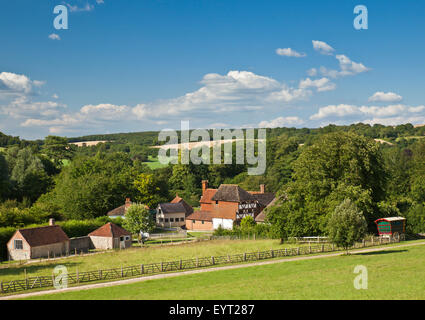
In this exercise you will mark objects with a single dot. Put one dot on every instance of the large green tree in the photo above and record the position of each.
(346, 225)
(337, 166)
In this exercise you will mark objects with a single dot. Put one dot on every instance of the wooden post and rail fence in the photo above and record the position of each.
(38, 282)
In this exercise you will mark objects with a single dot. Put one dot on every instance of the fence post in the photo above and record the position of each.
(162, 266)
(323, 248)
(309, 248)
(53, 278)
(258, 255)
(244, 256)
(286, 251)
(197, 262)
(298, 251)
(181, 264)
(272, 252)
(228, 258)
(212, 259)
(122, 272)
(141, 269)
(1, 286)
(26, 279)
(78, 276)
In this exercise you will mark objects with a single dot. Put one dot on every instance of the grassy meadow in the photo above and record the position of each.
(392, 274)
(137, 256)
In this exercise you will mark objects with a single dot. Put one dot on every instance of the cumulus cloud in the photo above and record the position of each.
(385, 97)
(390, 115)
(288, 52)
(281, 122)
(234, 91)
(322, 84)
(347, 68)
(87, 7)
(17, 83)
(54, 36)
(312, 72)
(322, 47)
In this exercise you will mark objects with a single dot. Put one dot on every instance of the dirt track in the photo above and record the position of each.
(176, 274)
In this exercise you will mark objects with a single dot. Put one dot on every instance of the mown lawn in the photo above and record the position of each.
(137, 256)
(392, 274)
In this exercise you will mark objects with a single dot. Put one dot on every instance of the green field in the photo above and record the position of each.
(392, 274)
(136, 256)
(153, 163)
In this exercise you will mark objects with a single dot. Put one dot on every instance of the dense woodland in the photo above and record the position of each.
(311, 170)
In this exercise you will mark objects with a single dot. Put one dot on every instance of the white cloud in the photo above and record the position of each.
(86, 8)
(322, 84)
(347, 68)
(341, 110)
(281, 122)
(322, 47)
(385, 97)
(288, 52)
(17, 83)
(387, 115)
(312, 72)
(54, 36)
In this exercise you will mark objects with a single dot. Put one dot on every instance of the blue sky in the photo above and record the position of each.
(126, 65)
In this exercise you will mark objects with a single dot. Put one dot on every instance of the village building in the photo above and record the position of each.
(110, 236)
(173, 214)
(227, 206)
(41, 242)
(120, 211)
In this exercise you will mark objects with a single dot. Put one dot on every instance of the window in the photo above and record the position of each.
(181, 219)
(193, 221)
(202, 221)
(171, 219)
(121, 238)
(216, 201)
(166, 219)
(18, 244)
(127, 238)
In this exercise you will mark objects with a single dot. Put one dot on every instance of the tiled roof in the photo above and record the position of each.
(201, 216)
(232, 193)
(172, 207)
(120, 211)
(110, 230)
(42, 236)
(188, 208)
(207, 196)
(264, 198)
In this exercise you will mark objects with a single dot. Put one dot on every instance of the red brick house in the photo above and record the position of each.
(41, 242)
(228, 205)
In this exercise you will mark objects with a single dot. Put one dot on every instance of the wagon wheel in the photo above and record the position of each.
(396, 236)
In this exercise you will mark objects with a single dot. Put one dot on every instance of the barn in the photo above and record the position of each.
(41, 242)
(110, 236)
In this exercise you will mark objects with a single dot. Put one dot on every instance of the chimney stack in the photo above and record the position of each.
(262, 188)
(204, 186)
(127, 203)
(51, 222)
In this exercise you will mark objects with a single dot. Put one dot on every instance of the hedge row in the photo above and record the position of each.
(73, 228)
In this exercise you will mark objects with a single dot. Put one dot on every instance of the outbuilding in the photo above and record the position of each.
(41, 242)
(110, 236)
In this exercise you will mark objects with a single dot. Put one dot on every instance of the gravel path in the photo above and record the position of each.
(176, 274)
